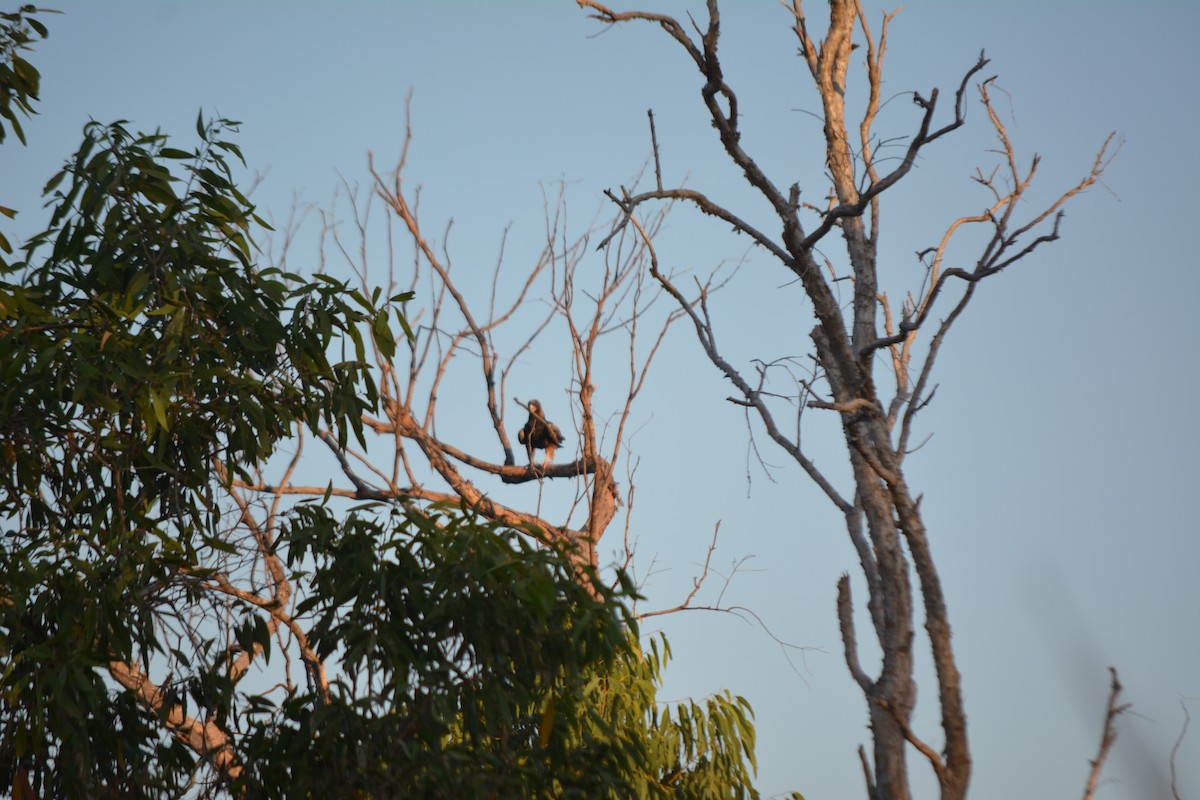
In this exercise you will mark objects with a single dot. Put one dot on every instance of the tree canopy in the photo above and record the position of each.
(166, 631)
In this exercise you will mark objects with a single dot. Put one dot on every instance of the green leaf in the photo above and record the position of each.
(219, 545)
(53, 183)
(384, 338)
(158, 192)
(28, 73)
(403, 320)
(16, 125)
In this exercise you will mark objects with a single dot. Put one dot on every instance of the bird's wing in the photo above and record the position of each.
(555, 433)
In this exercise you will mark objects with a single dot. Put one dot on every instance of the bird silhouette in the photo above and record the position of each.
(540, 433)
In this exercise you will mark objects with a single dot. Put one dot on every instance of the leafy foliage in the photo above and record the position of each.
(450, 634)
(20, 81)
(141, 357)
(146, 334)
(148, 368)
(433, 703)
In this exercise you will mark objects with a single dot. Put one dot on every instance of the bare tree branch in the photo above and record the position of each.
(753, 397)
(1187, 718)
(849, 639)
(1108, 735)
(697, 582)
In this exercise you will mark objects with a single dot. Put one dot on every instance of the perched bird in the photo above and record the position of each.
(540, 433)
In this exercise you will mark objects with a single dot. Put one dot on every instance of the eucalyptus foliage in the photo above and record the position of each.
(148, 368)
(20, 81)
(143, 359)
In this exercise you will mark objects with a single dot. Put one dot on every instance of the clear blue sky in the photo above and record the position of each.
(1062, 466)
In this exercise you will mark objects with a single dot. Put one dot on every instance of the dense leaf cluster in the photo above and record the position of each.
(143, 360)
(432, 702)
(20, 81)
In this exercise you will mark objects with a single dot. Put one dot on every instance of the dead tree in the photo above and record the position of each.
(563, 304)
(881, 510)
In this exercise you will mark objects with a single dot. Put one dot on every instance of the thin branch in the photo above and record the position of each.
(316, 667)
(996, 255)
(922, 138)
(668, 24)
(697, 582)
(654, 142)
(1107, 736)
(701, 201)
(707, 337)
(1187, 718)
(749, 617)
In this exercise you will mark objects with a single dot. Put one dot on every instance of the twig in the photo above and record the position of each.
(654, 141)
(1175, 750)
(697, 582)
(1107, 736)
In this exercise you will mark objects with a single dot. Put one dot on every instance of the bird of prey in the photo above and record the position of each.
(540, 433)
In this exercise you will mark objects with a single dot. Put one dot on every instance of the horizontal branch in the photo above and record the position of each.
(669, 24)
(509, 473)
(629, 202)
(848, 407)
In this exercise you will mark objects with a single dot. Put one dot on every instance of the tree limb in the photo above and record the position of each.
(207, 739)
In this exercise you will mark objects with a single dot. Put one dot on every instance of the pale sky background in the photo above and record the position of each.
(1062, 466)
